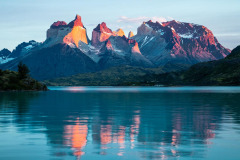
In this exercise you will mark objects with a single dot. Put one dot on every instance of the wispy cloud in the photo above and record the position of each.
(139, 20)
(227, 34)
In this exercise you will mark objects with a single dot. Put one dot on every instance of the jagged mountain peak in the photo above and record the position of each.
(4, 56)
(4, 52)
(59, 24)
(71, 34)
(100, 34)
(103, 28)
(130, 34)
(76, 22)
(119, 32)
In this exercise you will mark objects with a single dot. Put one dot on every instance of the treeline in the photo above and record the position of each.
(20, 80)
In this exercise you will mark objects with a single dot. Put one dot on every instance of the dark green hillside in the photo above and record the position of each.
(221, 72)
(110, 77)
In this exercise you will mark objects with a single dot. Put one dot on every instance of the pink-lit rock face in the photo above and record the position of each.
(135, 48)
(100, 34)
(76, 22)
(119, 32)
(77, 34)
(109, 45)
(134, 45)
(58, 24)
(144, 29)
(57, 32)
(71, 34)
(178, 41)
(130, 34)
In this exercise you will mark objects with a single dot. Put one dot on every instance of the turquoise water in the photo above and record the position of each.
(134, 123)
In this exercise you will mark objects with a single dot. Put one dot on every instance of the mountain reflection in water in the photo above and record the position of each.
(119, 125)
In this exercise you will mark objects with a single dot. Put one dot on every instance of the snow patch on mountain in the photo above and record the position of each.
(188, 36)
(5, 60)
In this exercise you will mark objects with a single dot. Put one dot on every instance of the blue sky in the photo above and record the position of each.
(24, 20)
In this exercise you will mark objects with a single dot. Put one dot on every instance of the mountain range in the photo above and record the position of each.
(68, 50)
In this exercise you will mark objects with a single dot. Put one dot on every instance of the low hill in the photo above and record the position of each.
(115, 76)
(110, 77)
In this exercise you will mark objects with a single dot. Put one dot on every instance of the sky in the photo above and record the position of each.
(25, 20)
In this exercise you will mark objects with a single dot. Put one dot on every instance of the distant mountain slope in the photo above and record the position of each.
(220, 72)
(59, 60)
(4, 56)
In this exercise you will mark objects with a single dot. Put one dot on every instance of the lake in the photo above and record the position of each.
(135, 123)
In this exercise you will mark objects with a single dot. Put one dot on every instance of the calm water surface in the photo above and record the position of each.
(134, 123)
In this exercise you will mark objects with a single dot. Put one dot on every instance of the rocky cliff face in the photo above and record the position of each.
(21, 50)
(100, 34)
(130, 34)
(5, 53)
(119, 51)
(119, 32)
(177, 42)
(71, 34)
(114, 49)
(77, 34)
(4, 56)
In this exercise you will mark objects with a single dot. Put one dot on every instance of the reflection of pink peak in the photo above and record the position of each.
(76, 22)
(106, 134)
(76, 136)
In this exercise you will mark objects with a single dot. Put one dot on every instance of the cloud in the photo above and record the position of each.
(139, 20)
(227, 34)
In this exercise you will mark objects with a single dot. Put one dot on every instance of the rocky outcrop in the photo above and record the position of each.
(77, 34)
(71, 34)
(119, 51)
(130, 34)
(119, 32)
(5, 53)
(100, 34)
(177, 42)
(24, 48)
(4, 56)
